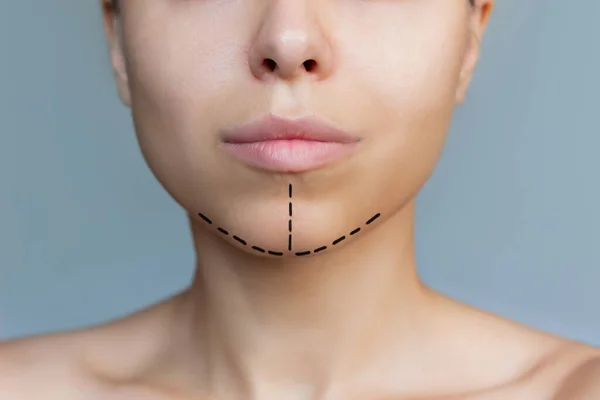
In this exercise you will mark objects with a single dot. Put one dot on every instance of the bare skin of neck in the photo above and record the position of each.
(347, 322)
(317, 320)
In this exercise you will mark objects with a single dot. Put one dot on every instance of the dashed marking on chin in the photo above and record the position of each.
(280, 253)
(290, 220)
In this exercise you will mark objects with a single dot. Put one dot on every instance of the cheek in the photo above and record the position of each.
(185, 57)
(186, 78)
(181, 80)
(404, 91)
(413, 70)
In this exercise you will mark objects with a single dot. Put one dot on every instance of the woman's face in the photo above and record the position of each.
(390, 71)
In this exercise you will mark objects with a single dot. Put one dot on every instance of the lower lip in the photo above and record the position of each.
(289, 155)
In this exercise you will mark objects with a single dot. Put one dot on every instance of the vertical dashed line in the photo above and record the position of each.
(290, 221)
(277, 253)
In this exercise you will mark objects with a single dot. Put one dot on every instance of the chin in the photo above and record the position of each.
(286, 229)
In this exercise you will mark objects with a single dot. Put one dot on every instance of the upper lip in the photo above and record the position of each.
(272, 127)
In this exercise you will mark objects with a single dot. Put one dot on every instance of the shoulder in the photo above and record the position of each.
(49, 361)
(583, 380)
(88, 361)
(549, 366)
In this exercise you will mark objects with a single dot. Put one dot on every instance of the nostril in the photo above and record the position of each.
(270, 64)
(310, 65)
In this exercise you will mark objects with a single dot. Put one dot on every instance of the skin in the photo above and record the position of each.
(353, 322)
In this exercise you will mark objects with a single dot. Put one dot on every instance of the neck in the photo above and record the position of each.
(316, 319)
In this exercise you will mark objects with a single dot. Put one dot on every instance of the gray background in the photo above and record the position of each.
(509, 221)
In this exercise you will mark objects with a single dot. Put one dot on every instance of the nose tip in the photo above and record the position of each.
(289, 44)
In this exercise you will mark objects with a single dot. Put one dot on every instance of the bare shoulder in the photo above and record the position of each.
(536, 364)
(50, 361)
(77, 364)
(570, 372)
(582, 381)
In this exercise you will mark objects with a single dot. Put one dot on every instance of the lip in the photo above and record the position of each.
(279, 144)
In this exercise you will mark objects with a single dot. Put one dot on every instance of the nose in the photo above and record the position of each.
(290, 43)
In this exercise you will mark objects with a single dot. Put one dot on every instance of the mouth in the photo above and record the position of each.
(284, 145)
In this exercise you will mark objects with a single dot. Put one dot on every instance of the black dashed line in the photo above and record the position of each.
(205, 218)
(290, 221)
(277, 253)
(242, 241)
(373, 219)
(336, 241)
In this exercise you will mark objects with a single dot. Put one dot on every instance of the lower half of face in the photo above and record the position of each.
(385, 71)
